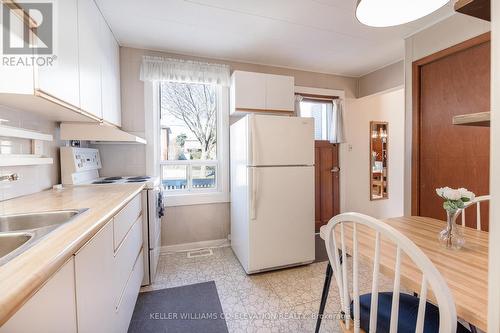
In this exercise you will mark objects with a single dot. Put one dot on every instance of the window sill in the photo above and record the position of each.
(188, 199)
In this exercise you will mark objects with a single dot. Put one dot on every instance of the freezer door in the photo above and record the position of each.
(281, 220)
(278, 140)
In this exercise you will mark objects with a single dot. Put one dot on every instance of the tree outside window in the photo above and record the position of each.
(189, 136)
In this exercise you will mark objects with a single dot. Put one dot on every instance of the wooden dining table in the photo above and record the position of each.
(465, 270)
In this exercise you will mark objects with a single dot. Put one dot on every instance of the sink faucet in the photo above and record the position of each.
(9, 178)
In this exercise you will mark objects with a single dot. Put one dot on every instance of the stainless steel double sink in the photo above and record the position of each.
(19, 232)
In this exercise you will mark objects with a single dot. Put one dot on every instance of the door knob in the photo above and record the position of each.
(335, 169)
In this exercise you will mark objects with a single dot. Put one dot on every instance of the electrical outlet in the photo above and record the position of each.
(349, 147)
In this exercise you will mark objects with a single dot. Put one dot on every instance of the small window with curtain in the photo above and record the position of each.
(327, 113)
(317, 109)
(191, 102)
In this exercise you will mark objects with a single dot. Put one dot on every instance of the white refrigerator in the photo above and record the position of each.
(272, 191)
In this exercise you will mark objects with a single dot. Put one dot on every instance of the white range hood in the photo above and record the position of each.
(97, 132)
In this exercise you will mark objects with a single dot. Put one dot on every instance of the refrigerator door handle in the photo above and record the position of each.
(255, 184)
(253, 143)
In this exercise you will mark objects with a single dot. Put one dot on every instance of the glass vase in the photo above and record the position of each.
(452, 237)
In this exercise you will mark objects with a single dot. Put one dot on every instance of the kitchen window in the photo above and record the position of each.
(193, 138)
(317, 109)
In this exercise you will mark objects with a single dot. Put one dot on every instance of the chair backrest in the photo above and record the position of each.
(477, 201)
(335, 240)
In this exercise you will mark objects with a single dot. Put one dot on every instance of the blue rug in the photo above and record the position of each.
(187, 309)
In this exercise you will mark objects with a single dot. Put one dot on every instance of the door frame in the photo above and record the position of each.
(417, 114)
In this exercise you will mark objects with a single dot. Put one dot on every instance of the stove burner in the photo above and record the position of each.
(103, 182)
(141, 178)
(113, 178)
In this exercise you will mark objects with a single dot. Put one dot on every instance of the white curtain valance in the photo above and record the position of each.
(177, 70)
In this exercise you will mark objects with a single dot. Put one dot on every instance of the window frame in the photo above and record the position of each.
(191, 196)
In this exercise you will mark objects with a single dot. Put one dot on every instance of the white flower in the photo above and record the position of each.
(451, 194)
(465, 193)
(440, 191)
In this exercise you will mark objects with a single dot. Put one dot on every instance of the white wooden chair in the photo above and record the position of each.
(372, 321)
(477, 201)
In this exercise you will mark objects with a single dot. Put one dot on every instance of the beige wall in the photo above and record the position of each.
(442, 35)
(389, 107)
(383, 79)
(186, 224)
(31, 178)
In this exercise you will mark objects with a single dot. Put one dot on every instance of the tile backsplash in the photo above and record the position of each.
(31, 178)
(122, 159)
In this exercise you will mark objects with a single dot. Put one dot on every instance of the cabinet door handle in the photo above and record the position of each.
(335, 169)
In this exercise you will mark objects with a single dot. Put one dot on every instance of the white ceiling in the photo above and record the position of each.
(315, 35)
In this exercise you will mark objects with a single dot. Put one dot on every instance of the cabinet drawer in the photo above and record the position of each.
(124, 220)
(125, 258)
(126, 305)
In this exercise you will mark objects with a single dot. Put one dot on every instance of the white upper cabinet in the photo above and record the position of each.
(14, 79)
(79, 80)
(280, 93)
(61, 80)
(110, 74)
(91, 51)
(248, 91)
(254, 92)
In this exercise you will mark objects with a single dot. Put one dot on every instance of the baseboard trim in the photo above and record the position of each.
(195, 246)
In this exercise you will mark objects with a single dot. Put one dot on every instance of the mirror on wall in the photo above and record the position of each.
(379, 152)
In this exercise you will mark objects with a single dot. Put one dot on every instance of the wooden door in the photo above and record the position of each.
(453, 82)
(327, 198)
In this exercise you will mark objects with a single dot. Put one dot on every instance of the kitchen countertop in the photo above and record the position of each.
(24, 275)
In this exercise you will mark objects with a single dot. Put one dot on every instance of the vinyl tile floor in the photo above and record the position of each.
(286, 300)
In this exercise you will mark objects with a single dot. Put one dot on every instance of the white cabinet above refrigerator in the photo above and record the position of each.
(259, 92)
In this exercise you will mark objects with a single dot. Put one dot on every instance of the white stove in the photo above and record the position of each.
(149, 182)
(80, 167)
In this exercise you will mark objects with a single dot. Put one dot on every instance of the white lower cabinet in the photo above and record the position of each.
(94, 275)
(125, 259)
(108, 279)
(126, 305)
(96, 290)
(51, 310)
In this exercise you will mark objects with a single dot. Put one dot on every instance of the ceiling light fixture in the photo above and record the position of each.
(388, 13)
